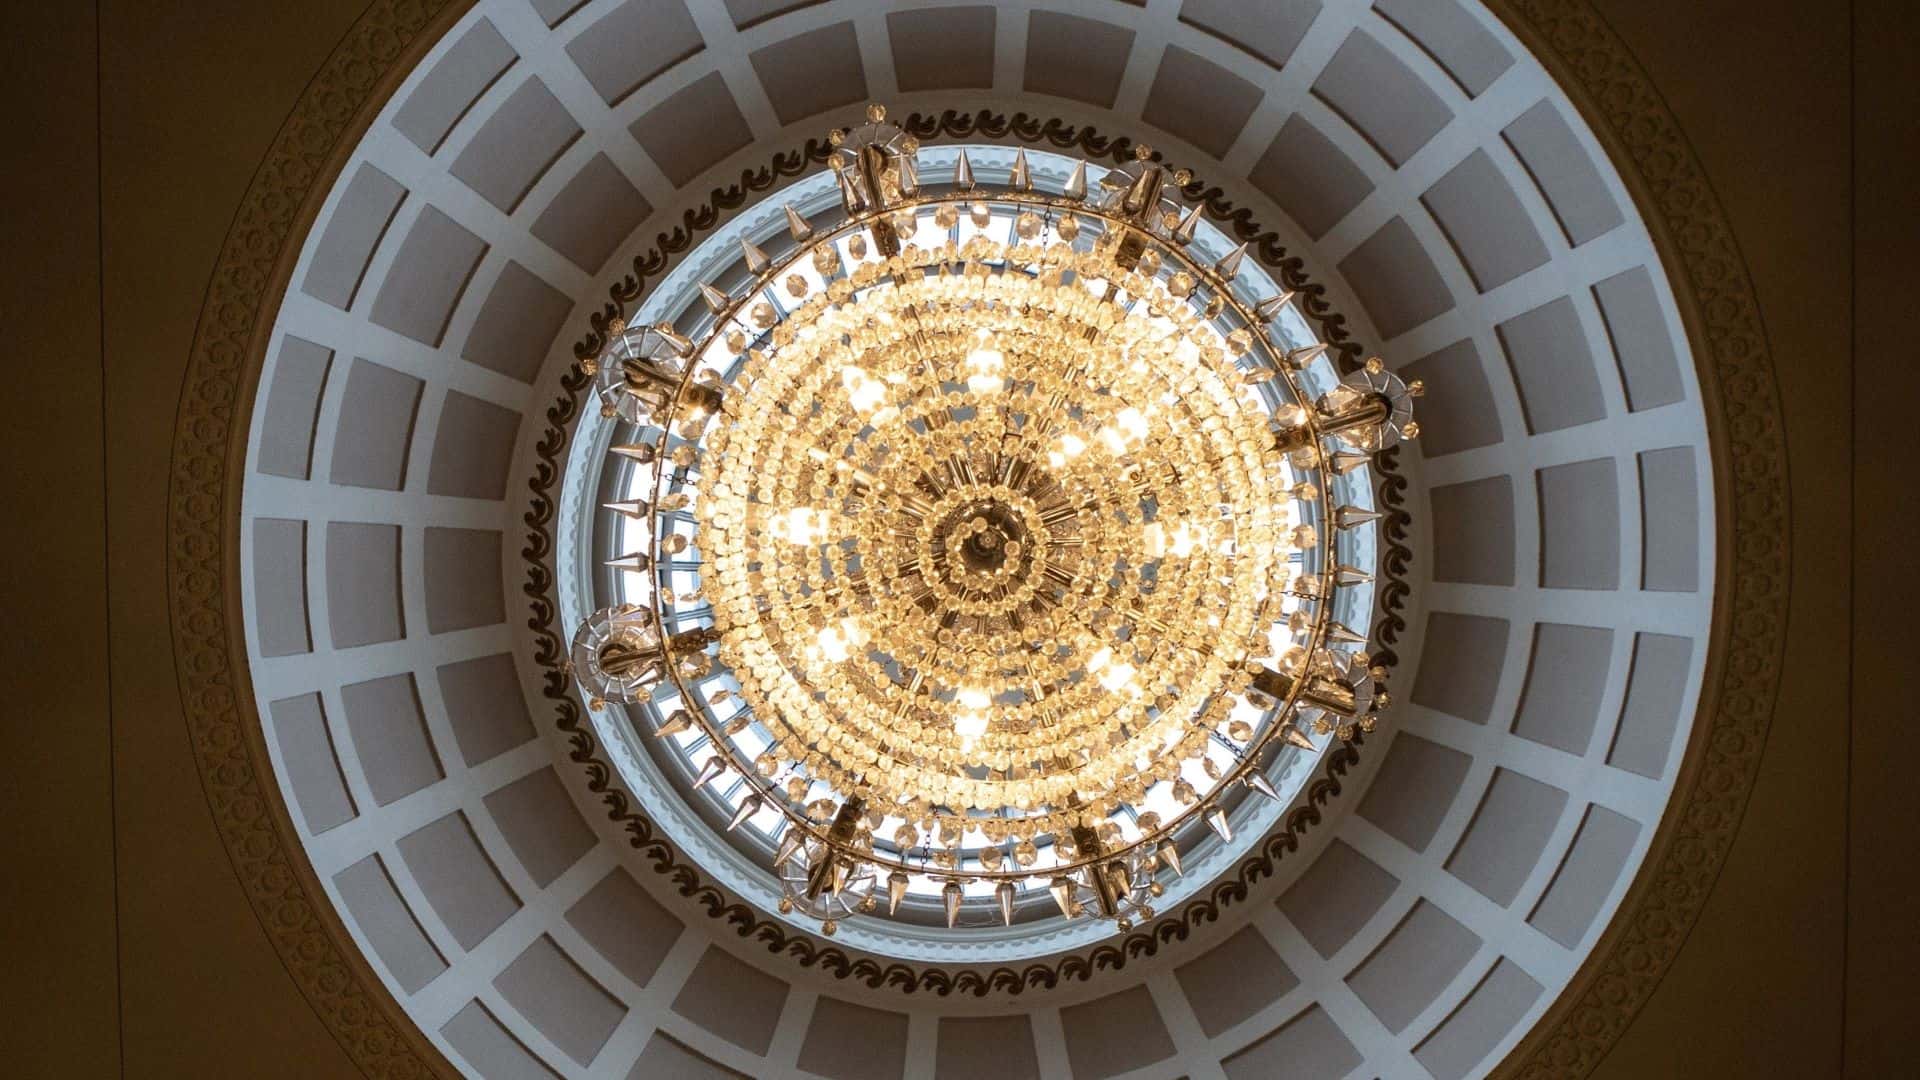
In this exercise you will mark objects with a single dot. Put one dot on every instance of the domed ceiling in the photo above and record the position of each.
(540, 889)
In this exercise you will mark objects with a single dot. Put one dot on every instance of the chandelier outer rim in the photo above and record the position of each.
(1578, 48)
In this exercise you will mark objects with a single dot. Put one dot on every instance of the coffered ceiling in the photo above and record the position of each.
(1424, 166)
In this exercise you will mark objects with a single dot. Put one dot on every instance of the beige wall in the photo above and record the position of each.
(133, 946)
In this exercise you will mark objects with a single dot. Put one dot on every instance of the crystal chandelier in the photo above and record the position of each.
(1014, 543)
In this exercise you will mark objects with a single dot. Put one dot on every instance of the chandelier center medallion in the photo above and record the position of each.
(1007, 523)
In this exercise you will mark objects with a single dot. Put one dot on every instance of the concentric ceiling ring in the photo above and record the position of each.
(1578, 32)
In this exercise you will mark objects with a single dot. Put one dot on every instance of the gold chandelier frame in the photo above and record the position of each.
(765, 787)
(879, 186)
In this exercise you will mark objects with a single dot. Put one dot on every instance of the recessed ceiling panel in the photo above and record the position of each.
(1553, 367)
(390, 737)
(563, 1004)
(1388, 104)
(1238, 978)
(368, 893)
(1485, 222)
(489, 1048)
(1460, 41)
(313, 770)
(1308, 177)
(1567, 177)
(293, 409)
(1115, 1034)
(1652, 712)
(435, 261)
(1310, 1044)
(484, 706)
(831, 1048)
(459, 882)
(1586, 877)
(1580, 525)
(516, 145)
(1509, 831)
(374, 433)
(363, 583)
(517, 323)
(1425, 780)
(280, 625)
(540, 825)
(1336, 896)
(463, 586)
(627, 926)
(1459, 406)
(1072, 57)
(1270, 31)
(344, 247)
(812, 72)
(692, 129)
(1479, 514)
(739, 1003)
(592, 215)
(453, 84)
(973, 1046)
(1420, 957)
(942, 48)
(1565, 681)
(1458, 1045)
(633, 43)
(1461, 665)
(1396, 279)
(1201, 102)
(472, 447)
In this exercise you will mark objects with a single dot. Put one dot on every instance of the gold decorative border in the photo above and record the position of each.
(1591, 64)
(551, 640)
(1747, 638)
(203, 542)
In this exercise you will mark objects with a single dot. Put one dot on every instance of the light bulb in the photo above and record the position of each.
(1153, 540)
(983, 367)
(864, 392)
(971, 723)
(833, 644)
(1117, 677)
(801, 525)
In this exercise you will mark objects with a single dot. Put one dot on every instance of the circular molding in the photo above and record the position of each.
(1710, 283)
(203, 551)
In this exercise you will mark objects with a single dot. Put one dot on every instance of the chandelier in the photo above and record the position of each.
(1010, 529)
